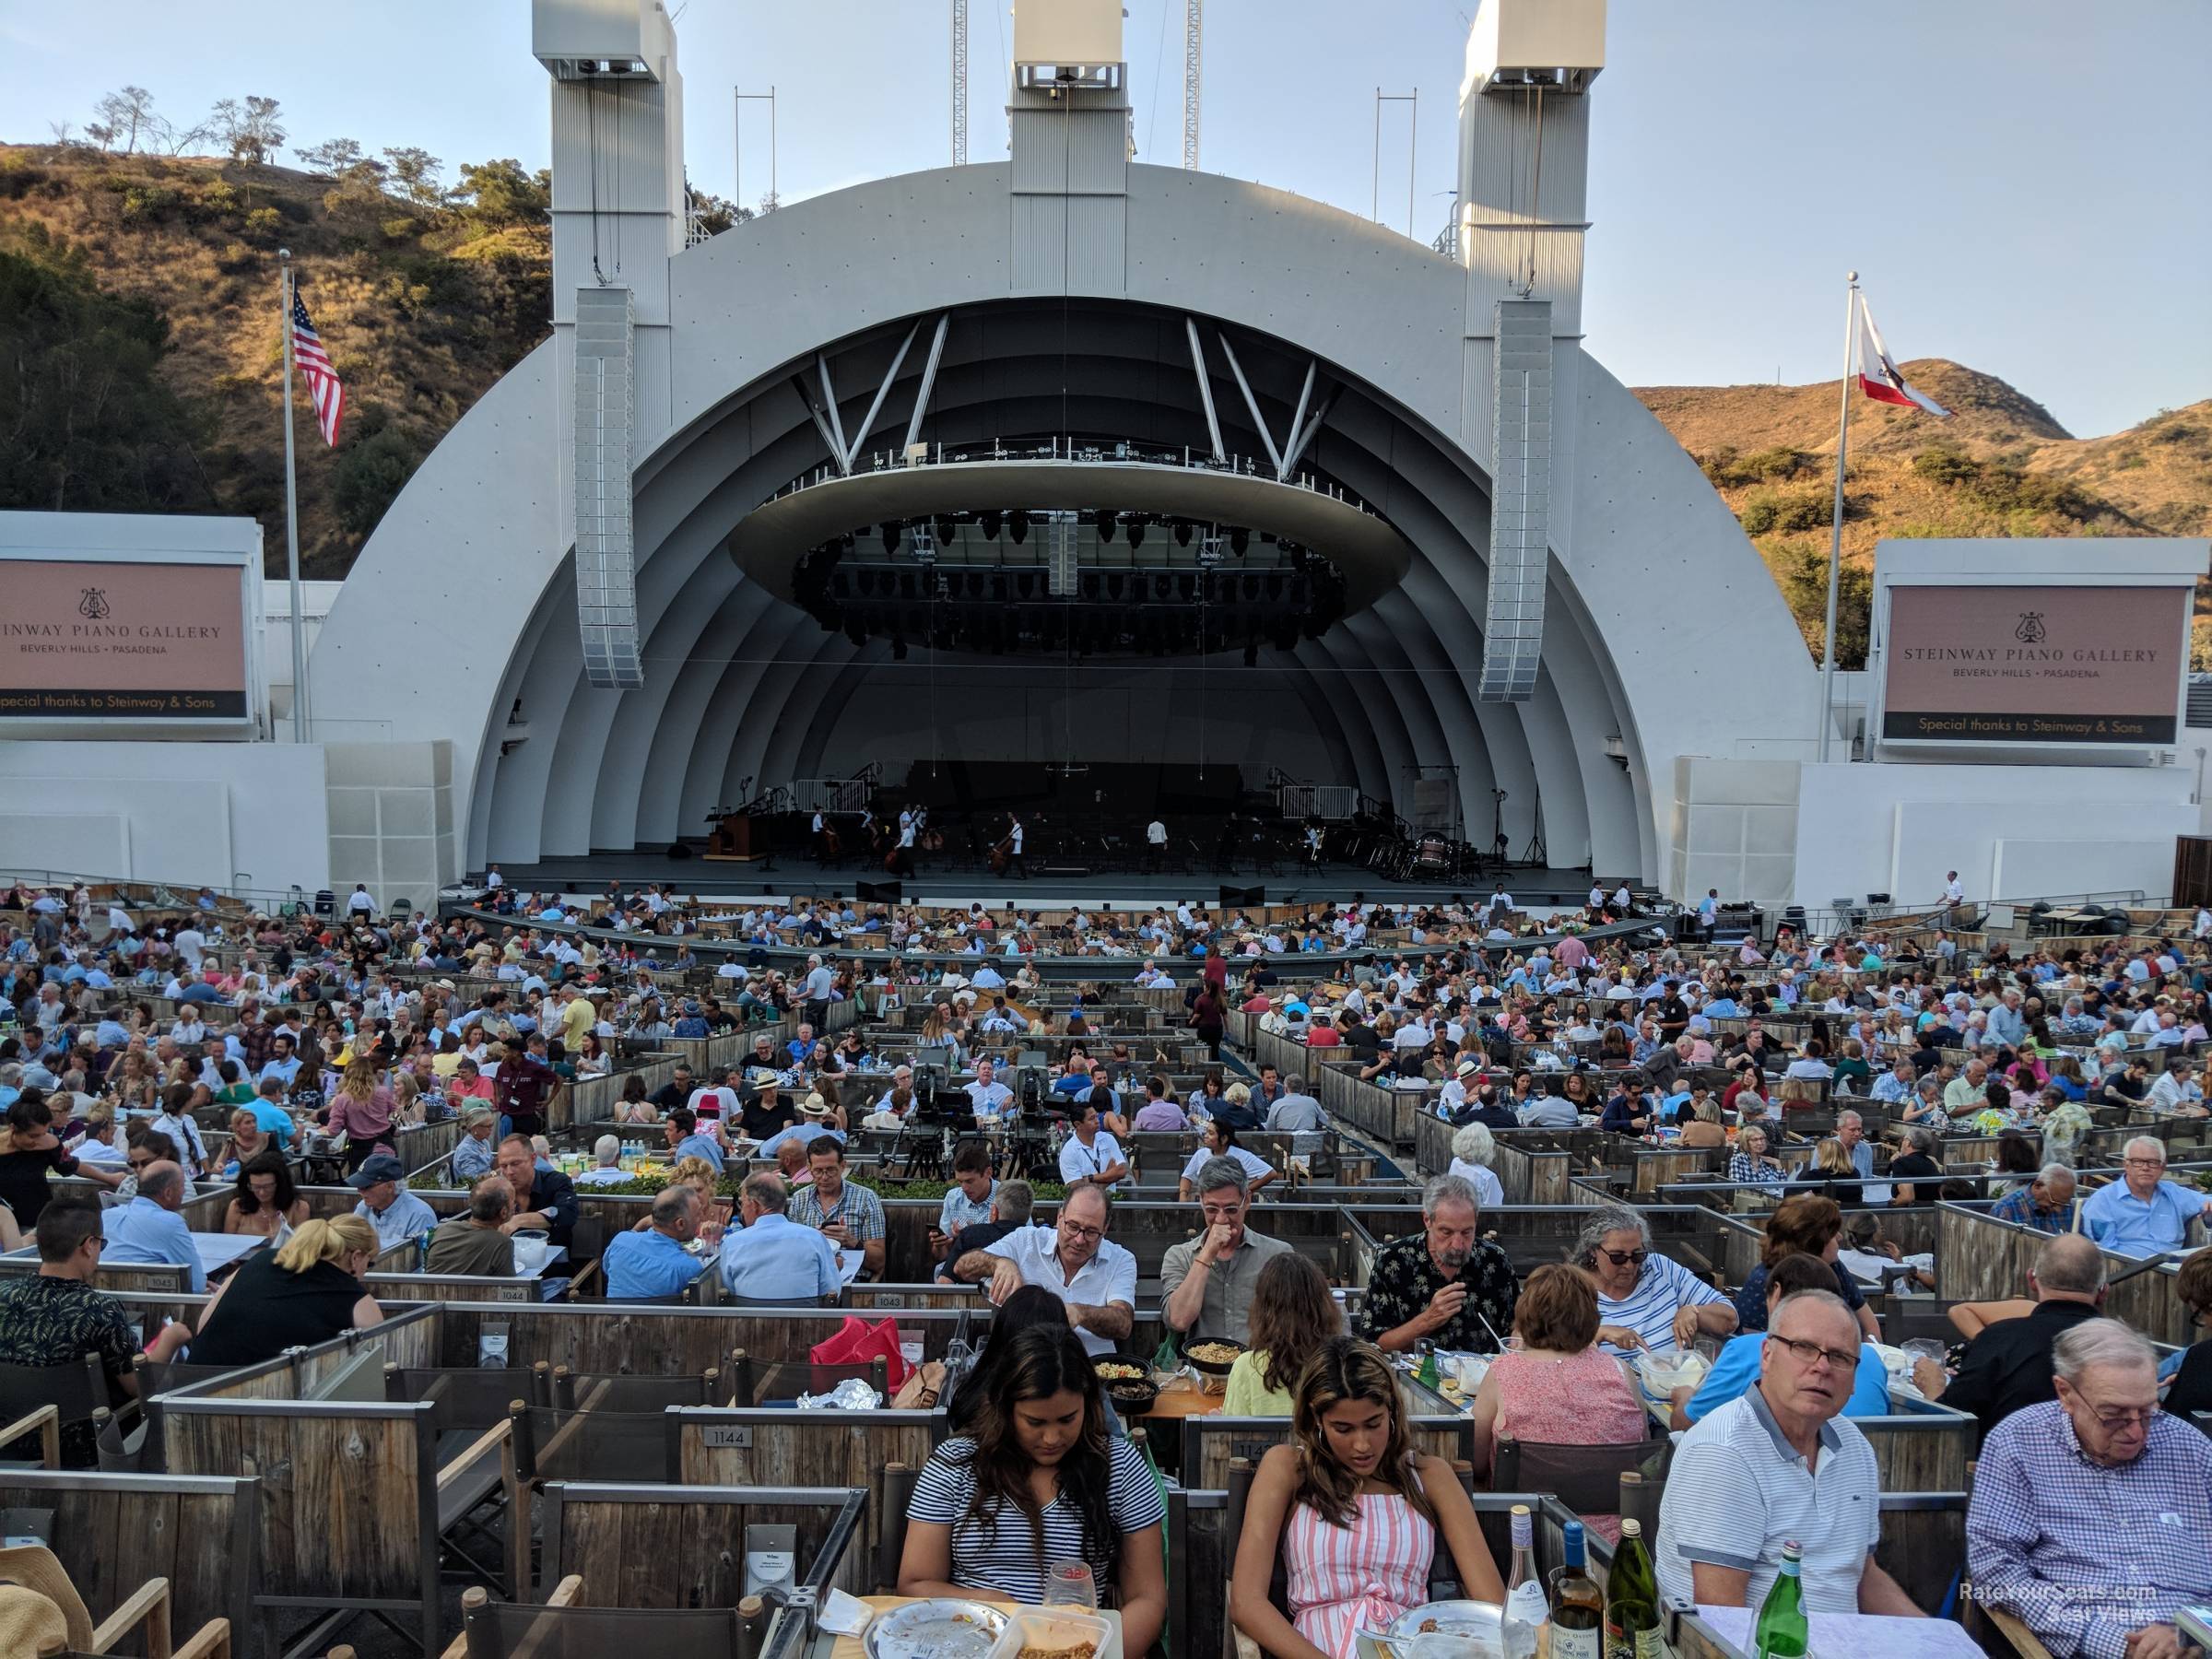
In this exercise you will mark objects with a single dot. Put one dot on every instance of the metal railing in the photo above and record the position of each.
(1083, 450)
(1059, 968)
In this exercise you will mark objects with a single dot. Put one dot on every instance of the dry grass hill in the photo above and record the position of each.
(138, 325)
(1999, 466)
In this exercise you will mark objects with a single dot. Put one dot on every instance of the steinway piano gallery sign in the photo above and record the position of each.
(98, 640)
(2034, 665)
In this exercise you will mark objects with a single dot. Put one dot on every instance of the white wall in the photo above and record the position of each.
(223, 813)
(390, 819)
(2010, 832)
(1733, 827)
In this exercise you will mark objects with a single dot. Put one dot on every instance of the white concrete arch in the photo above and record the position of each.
(1660, 610)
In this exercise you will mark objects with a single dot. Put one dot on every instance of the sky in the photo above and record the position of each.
(2020, 182)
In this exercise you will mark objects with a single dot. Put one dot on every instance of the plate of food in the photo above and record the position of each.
(1126, 1383)
(940, 1628)
(1460, 1630)
(1212, 1356)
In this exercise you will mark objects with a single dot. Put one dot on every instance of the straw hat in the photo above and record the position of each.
(41, 1611)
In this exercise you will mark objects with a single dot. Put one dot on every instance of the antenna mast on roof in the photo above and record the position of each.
(959, 83)
(1193, 30)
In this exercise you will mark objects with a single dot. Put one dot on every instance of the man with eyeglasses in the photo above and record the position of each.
(1780, 1464)
(1075, 1261)
(2146, 1214)
(1206, 1283)
(54, 1317)
(2089, 1512)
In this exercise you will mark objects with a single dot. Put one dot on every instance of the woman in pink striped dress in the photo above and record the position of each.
(1354, 1513)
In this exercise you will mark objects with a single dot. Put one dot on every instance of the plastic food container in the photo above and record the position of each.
(1051, 1631)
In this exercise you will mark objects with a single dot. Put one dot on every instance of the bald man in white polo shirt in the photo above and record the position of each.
(1779, 1463)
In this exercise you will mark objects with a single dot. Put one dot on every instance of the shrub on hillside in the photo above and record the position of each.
(1730, 471)
(2002, 487)
(1768, 511)
(216, 199)
(151, 204)
(372, 468)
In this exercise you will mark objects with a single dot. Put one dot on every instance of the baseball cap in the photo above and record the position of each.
(376, 1167)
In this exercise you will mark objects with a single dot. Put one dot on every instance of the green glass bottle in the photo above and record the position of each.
(1426, 1373)
(1633, 1598)
(1577, 1606)
(1781, 1632)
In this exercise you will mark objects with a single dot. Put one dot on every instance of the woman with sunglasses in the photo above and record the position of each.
(1645, 1300)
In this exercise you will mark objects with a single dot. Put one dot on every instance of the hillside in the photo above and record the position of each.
(2001, 465)
(138, 323)
(144, 292)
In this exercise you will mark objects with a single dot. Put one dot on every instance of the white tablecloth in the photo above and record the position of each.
(1856, 1635)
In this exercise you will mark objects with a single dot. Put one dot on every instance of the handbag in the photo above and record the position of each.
(856, 1344)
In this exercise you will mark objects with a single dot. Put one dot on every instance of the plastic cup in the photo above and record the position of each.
(1070, 1584)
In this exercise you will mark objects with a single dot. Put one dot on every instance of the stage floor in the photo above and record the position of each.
(959, 884)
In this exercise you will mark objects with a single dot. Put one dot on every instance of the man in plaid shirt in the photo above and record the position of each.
(2046, 1203)
(2090, 1512)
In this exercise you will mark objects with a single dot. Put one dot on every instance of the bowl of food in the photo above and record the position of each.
(1127, 1384)
(1211, 1356)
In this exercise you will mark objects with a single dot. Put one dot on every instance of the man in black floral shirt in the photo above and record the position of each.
(1443, 1283)
(54, 1316)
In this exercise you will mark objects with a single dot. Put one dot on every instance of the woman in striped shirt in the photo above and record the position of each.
(1645, 1300)
(1037, 1481)
(1356, 1512)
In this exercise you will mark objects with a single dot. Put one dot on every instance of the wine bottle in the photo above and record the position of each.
(1527, 1611)
(1577, 1606)
(1781, 1632)
(1631, 1598)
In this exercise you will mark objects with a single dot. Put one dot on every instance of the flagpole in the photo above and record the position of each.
(1835, 536)
(291, 511)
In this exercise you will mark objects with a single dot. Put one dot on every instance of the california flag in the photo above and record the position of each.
(1877, 370)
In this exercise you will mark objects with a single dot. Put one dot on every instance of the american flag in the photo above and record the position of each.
(322, 385)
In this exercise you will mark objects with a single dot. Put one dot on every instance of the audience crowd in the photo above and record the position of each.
(297, 1049)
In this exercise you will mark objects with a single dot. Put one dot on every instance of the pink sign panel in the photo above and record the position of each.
(81, 640)
(2034, 665)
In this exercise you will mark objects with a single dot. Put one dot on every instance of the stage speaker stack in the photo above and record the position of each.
(878, 893)
(1242, 898)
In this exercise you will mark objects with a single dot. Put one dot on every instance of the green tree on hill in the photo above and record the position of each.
(85, 422)
(500, 193)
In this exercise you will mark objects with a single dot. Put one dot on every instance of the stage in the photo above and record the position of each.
(949, 882)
